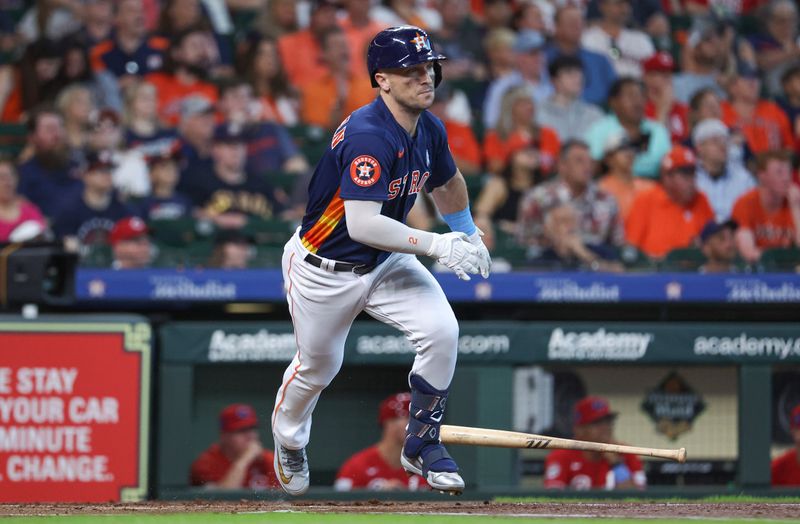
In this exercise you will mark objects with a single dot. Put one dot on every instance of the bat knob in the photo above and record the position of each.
(681, 455)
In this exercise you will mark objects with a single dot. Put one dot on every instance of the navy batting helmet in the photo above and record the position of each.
(402, 46)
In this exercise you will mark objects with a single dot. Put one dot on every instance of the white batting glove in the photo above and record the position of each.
(484, 259)
(455, 251)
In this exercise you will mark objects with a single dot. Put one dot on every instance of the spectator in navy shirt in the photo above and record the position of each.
(49, 174)
(89, 216)
(777, 49)
(269, 146)
(195, 131)
(130, 52)
(229, 195)
(143, 129)
(598, 71)
(164, 202)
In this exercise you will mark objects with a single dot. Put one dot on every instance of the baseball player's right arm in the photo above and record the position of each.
(367, 225)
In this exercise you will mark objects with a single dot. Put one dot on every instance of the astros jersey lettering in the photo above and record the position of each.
(372, 158)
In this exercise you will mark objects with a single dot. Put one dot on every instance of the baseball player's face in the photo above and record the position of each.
(796, 437)
(412, 86)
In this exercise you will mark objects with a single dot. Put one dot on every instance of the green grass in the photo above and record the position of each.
(308, 518)
(716, 499)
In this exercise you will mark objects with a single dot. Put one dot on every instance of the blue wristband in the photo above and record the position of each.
(461, 221)
(621, 473)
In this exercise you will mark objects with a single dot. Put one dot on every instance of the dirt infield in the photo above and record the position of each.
(566, 509)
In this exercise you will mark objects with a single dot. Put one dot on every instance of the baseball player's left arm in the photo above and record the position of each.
(452, 200)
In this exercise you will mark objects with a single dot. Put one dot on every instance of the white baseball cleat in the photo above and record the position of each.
(445, 481)
(291, 468)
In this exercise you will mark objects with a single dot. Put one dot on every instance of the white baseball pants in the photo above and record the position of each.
(400, 292)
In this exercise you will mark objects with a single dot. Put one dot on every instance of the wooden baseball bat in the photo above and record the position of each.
(510, 439)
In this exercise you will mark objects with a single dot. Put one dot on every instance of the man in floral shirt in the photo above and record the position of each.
(599, 222)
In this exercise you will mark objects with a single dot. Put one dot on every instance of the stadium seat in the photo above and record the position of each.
(269, 232)
(267, 257)
(635, 260)
(97, 256)
(12, 138)
(284, 181)
(311, 140)
(180, 232)
(688, 259)
(781, 260)
(507, 248)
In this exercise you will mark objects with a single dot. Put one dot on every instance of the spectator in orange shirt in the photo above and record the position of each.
(337, 93)
(762, 122)
(661, 105)
(516, 129)
(191, 56)
(360, 28)
(769, 215)
(238, 459)
(301, 51)
(618, 178)
(463, 144)
(671, 214)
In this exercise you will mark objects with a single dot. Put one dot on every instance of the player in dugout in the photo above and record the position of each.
(786, 467)
(571, 468)
(378, 466)
(238, 460)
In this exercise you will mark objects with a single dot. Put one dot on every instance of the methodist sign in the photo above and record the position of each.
(74, 397)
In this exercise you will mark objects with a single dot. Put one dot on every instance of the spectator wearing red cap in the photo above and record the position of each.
(672, 214)
(568, 468)
(130, 244)
(661, 104)
(378, 467)
(238, 459)
(786, 467)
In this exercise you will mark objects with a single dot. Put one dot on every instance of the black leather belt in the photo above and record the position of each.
(358, 269)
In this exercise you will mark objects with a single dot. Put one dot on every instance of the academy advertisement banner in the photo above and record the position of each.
(74, 403)
(502, 342)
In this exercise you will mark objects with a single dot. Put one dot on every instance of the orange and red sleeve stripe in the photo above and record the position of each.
(325, 224)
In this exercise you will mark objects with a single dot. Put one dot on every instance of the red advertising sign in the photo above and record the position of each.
(73, 411)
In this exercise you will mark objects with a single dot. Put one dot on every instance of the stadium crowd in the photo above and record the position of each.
(597, 134)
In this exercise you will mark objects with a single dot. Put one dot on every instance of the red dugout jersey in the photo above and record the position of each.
(212, 465)
(568, 468)
(786, 469)
(367, 470)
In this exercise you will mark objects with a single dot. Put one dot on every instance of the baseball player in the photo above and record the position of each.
(571, 468)
(354, 253)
